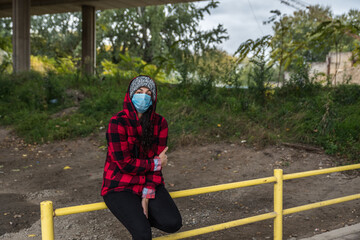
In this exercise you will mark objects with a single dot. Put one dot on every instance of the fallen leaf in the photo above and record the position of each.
(67, 167)
(15, 170)
(32, 235)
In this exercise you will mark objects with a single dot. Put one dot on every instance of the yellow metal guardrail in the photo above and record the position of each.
(48, 213)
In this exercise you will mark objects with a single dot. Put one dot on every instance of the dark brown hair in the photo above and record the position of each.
(147, 129)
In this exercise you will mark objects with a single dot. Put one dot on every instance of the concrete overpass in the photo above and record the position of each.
(21, 10)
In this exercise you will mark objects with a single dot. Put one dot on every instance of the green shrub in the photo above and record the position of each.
(196, 112)
(346, 94)
(259, 79)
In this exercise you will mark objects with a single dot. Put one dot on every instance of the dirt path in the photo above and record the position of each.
(30, 174)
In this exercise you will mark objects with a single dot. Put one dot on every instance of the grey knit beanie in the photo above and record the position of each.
(142, 81)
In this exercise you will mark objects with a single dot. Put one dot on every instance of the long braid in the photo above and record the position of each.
(147, 130)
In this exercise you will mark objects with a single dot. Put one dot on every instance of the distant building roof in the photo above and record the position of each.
(39, 7)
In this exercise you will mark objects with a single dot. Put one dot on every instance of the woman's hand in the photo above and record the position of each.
(145, 206)
(163, 157)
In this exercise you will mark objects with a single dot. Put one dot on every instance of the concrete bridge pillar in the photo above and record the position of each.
(21, 35)
(88, 58)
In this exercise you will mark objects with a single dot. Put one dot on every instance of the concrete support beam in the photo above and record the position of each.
(21, 35)
(88, 40)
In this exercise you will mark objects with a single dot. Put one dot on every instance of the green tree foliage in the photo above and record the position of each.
(5, 34)
(5, 45)
(308, 35)
(165, 35)
(56, 35)
(259, 78)
(158, 34)
(292, 30)
(217, 64)
(253, 47)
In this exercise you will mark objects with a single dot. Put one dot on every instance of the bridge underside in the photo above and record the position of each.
(21, 10)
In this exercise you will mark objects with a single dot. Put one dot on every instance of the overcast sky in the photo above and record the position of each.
(243, 18)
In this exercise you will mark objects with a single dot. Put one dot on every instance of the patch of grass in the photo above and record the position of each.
(196, 113)
(27, 102)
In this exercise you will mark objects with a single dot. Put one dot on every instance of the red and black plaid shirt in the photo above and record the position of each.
(123, 171)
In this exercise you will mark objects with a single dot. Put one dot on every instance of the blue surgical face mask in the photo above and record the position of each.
(141, 102)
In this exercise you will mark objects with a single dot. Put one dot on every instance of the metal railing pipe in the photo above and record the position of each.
(176, 194)
(218, 227)
(321, 171)
(221, 187)
(320, 204)
(80, 209)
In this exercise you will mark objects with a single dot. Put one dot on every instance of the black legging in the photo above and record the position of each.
(163, 213)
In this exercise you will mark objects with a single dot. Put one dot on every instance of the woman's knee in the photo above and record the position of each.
(144, 234)
(175, 227)
(172, 225)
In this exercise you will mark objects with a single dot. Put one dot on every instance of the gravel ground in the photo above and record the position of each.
(70, 173)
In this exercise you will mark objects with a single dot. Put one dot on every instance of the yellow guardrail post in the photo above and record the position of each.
(278, 204)
(47, 220)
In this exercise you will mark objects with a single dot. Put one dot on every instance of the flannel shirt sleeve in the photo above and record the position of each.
(154, 178)
(148, 193)
(120, 153)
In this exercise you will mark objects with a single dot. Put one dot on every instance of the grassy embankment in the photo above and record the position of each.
(324, 116)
